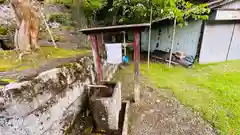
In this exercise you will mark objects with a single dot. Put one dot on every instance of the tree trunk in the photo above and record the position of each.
(16, 40)
(27, 26)
(24, 37)
(18, 25)
(81, 21)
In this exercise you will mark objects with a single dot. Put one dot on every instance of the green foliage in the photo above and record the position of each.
(86, 9)
(138, 11)
(62, 18)
(182, 10)
(91, 7)
(131, 11)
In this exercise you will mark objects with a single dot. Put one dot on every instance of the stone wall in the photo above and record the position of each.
(48, 104)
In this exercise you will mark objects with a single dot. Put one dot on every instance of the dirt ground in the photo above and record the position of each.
(159, 113)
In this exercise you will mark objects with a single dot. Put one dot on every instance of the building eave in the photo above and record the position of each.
(117, 28)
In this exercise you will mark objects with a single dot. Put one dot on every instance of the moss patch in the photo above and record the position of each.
(10, 80)
(3, 31)
(9, 59)
(2, 1)
(5, 81)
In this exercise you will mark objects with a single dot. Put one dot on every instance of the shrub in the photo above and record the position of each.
(66, 3)
(62, 18)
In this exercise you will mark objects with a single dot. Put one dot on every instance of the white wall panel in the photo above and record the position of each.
(234, 52)
(215, 43)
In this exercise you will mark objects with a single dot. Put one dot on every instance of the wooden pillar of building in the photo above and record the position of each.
(136, 45)
(96, 57)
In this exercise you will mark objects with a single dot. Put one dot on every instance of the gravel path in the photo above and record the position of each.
(159, 113)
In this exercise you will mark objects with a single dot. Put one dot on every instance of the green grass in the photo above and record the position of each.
(213, 90)
(9, 59)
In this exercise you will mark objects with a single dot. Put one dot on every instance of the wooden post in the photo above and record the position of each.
(102, 38)
(99, 41)
(96, 57)
(136, 45)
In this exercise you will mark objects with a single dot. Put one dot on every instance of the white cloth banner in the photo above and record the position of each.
(114, 53)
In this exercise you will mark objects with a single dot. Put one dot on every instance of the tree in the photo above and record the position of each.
(131, 11)
(182, 10)
(138, 11)
(27, 19)
(91, 7)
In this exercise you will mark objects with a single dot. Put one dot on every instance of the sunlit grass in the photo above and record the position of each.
(213, 90)
(9, 59)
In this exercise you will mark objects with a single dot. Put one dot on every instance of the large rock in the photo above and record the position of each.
(6, 13)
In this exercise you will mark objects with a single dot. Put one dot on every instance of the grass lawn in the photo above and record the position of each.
(213, 90)
(9, 59)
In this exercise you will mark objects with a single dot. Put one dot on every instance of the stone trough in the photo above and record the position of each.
(106, 105)
(123, 122)
(108, 111)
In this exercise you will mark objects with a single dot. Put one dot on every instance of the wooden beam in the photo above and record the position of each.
(136, 46)
(163, 60)
(98, 86)
(96, 57)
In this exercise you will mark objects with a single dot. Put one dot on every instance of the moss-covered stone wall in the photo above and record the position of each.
(48, 103)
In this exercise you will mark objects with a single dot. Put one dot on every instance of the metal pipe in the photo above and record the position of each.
(149, 38)
(124, 43)
(173, 38)
(231, 41)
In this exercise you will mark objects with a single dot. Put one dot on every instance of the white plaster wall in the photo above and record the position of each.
(186, 38)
